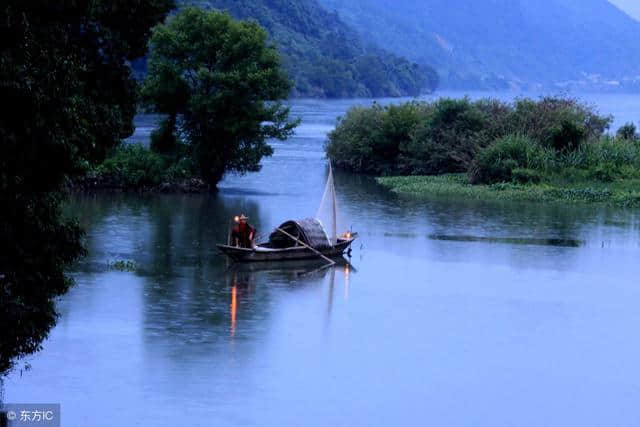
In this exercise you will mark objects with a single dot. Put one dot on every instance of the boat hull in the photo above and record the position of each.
(260, 254)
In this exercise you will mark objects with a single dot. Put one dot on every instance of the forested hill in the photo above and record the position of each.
(324, 56)
(587, 44)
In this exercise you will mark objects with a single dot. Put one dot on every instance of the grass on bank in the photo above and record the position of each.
(624, 193)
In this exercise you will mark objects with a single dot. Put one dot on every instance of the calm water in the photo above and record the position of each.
(451, 313)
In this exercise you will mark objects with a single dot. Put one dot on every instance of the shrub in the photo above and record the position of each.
(134, 165)
(526, 176)
(497, 114)
(447, 141)
(568, 136)
(497, 162)
(605, 172)
(351, 144)
(559, 123)
(368, 139)
(445, 136)
(619, 152)
(627, 131)
(183, 168)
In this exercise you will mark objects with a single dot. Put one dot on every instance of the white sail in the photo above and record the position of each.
(327, 212)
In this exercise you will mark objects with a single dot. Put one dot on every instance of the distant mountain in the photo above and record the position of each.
(324, 56)
(588, 44)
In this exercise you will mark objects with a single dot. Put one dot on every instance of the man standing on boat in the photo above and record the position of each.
(243, 233)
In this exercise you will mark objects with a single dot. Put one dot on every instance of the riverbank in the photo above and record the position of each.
(112, 183)
(623, 193)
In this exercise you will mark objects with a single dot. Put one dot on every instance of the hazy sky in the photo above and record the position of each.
(632, 7)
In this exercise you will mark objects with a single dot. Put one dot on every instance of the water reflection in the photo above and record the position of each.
(244, 279)
(163, 234)
(347, 273)
(438, 228)
(569, 243)
(234, 309)
(332, 280)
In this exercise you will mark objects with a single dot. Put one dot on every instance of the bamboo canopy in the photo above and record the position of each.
(308, 230)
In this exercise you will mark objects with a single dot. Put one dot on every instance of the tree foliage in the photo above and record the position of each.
(133, 165)
(415, 138)
(445, 136)
(628, 131)
(368, 140)
(446, 140)
(225, 81)
(64, 72)
(557, 122)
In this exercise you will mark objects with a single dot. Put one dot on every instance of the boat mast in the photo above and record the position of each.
(334, 230)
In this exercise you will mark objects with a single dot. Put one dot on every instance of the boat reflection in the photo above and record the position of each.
(243, 278)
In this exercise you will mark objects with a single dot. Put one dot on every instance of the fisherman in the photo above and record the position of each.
(243, 233)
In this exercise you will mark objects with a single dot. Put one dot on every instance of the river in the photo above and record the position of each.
(450, 313)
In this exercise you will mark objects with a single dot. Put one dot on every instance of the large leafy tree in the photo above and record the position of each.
(65, 79)
(224, 81)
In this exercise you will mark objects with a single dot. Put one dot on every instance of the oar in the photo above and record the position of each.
(317, 252)
(309, 273)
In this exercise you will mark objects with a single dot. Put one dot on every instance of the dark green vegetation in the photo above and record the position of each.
(64, 75)
(324, 56)
(554, 148)
(220, 84)
(136, 167)
(494, 44)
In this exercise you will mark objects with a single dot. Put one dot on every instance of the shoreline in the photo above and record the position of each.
(619, 194)
(112, 184)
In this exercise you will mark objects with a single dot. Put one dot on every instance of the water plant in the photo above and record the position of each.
(124, 265)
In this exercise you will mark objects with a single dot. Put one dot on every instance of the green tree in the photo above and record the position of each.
(369, 139)
(560, 123)
(225, 82)
(447, 140)
(627, 131)
(64, 73)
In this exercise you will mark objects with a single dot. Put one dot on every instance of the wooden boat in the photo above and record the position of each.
(293, 240)
(299, 239)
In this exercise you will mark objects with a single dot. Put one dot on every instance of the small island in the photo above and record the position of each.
(551, 149)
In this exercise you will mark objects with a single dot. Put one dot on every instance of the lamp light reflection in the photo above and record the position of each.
(347, 272)
(234, 308)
